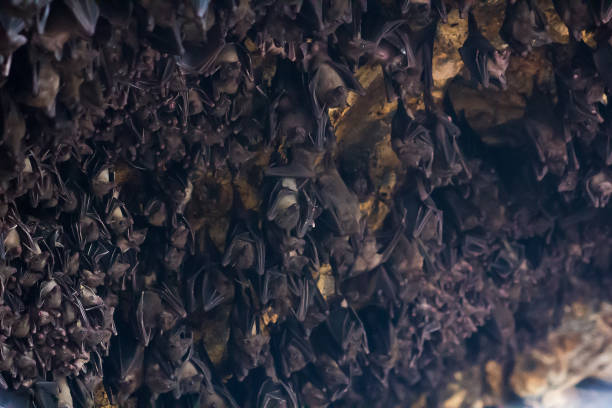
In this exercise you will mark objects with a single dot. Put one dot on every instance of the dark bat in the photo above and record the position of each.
(199, 57)
(290, 120)
(173, 258)
(126, 363)
(382, 339)
(175, 344)
(411, 141)
(301, 289)
(393, 47)
(81, 394)
(576, 15)
(165, 36)
(368, 257)
(211, 297)
(484, 62)
(272, 394)
(348, 333)
(191, 376)
(182, 236)
(159, 376)
(546, 135)
(248, 339)
(318, 308)
(241, 252)
(246, 250)
(233, 66)
(524, 26)
(45, 394)
(335, 379)
(273, 287)
(293, 349)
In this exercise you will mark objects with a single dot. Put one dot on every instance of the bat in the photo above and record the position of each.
(339, 201)
(484, 62)
(576, 15)
(599, 188)
(276, 393)
(293, 350)
(524, 26)
(283, 205)
(126, 367)
(412, 141)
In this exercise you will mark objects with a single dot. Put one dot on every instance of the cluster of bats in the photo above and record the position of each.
(128, 127)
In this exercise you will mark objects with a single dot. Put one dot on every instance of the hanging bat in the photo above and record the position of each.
(524, 26)
(484, 62)
(576, 15)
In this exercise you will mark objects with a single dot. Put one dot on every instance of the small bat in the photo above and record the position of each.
(599, 188)
(293, 349)
(339, 201)
(276, 393)
(484, 62)
(576, 15)
(249, 341)
(348, 333)
(382, 340)
(329, 81)
(126, 364)
(411, 141)
(334, 377)
(283, 206)
(524, 26)
(176, 343)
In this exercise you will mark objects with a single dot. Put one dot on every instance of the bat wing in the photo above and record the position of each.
(86, 12)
